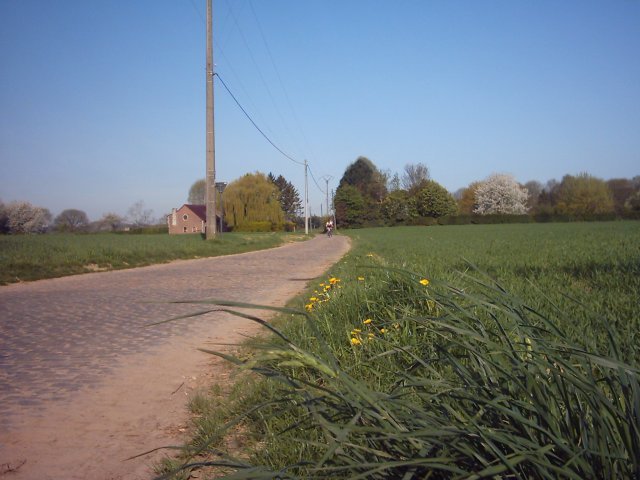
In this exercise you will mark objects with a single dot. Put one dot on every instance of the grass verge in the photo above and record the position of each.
(34, 257)
(444, 371)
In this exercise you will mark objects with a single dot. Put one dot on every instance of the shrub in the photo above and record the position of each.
(254, 227)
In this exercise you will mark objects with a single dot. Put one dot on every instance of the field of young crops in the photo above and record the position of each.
(495, 351)
(33, 257)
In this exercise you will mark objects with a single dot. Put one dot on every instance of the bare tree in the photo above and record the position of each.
(138, 215)
(110, 221)
(415, 176)
(197, 192)
(535, 189)
(71, 220)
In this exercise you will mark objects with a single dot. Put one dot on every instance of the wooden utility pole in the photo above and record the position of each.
(306, 198)
(210, 182)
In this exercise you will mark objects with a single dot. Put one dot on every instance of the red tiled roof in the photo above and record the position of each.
(199, 210)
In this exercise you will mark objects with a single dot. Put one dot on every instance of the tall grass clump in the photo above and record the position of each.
(412, 378)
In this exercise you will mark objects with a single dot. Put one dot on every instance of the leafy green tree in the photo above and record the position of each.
(71, 220)
(433, 200)
(4, 218)
(396, 207)
(372, 187)
(366, 177)
(584, 195)
(197, 193)
(252, 198)
(287, 196)
(349, 206)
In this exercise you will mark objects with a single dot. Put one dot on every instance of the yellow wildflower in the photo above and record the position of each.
(371, 335)
(367, 321)
(424, 282)
(355, 341)
(313, 299)
(383, 330)
(361, 279)
(355, 330)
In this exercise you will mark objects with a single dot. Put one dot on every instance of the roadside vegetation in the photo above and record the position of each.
(34, 257)
(475, 351)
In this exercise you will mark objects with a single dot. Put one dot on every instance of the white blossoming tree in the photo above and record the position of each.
(22, 217)
(501, 194)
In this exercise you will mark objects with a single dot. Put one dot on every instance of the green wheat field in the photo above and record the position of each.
(476, 351)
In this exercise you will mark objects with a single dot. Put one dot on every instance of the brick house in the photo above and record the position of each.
(188, 219)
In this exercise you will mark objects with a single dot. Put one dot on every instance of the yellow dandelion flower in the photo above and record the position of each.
(369, 254)
(333, 280)
(424, 282)
(367, 321)
(396, 326)
(355, 341)
(361, 279)
(383, 330)
(309, 306)
(313, 299)
(371, 335)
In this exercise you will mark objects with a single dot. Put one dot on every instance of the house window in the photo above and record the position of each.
(184, 229)
(185, 217)
(194, 229)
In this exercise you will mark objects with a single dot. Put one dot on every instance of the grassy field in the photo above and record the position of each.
(497, 351)
(33, 257)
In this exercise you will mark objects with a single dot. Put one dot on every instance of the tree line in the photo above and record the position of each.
(255, 202)
(21, 217)
(367, 196)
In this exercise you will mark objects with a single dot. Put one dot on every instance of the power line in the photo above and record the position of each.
(315, 181)
(275, 68)
(254, 123)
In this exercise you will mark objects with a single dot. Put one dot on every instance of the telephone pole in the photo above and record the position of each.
(210, 182)
(326, 178)
(306, 199)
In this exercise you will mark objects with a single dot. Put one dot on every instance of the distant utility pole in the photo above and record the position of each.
(326, 178)
(210, 183)
(306, 199)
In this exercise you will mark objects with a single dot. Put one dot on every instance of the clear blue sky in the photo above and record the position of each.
(102, 103)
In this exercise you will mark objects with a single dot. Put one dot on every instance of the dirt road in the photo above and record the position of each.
(84, 384)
